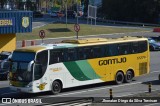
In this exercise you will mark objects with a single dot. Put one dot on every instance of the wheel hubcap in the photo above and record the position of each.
(129, 76)
(56, 87)
(119, 78)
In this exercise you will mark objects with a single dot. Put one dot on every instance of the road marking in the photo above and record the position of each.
(136, 93)
(154, 72)
(3, 104)
(39, 26)
(92, 90)
(42, 25)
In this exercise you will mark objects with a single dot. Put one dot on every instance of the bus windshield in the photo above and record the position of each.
(2, 57)
(20, 61)
(23, 56)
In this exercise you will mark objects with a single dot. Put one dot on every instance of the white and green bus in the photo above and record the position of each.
(53, 67)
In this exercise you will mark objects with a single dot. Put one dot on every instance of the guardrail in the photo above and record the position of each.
(126, 23)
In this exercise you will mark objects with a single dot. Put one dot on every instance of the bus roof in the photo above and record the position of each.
(87, 40)
(99, 40)
(41, 47)
(78, 42)
(30, 49)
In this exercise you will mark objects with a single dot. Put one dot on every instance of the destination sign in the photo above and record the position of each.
(7, 22)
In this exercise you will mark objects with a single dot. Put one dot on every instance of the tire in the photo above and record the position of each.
(128, 77)
(119, 78)
(56, 87)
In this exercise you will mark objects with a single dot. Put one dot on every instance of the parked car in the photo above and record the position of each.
(153, 45)
(156, 38)
(71, 14)
(54, 14)
(4, 64)
(37, 14)
(61, 14)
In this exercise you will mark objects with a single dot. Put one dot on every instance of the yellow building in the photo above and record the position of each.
(12, 22)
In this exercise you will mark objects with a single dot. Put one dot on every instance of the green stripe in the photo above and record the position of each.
(87, 69)
(75, 71)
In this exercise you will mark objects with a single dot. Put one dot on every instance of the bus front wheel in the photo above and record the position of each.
(128, 76)
(119, 78)
(56, 87)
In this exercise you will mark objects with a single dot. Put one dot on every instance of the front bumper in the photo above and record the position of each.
(22, 89)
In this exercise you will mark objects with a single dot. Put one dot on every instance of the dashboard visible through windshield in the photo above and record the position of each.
(19, 69)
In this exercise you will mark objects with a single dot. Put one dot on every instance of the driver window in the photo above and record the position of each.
(41, 64)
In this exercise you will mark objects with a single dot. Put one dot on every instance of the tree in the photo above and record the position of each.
(28, 4)
(2, 3)
(131, 10)
(85, 2)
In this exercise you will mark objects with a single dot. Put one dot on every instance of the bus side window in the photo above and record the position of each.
(112, 50)
(71, 55)
(56, 56)
(88, 52)
(142, 46)
(134, 47)
(124, 48)
(97, 52)
(42, 60)
(104, 50)
(80, 53)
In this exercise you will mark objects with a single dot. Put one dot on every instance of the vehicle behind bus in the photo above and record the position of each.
(4, 65)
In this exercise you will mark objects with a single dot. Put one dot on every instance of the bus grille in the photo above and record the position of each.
(142, 68)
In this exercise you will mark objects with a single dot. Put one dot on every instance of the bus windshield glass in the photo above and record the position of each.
(23, 56)
(2, 57)
(20, 61)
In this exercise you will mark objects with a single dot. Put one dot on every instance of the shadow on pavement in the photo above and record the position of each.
(7, 93)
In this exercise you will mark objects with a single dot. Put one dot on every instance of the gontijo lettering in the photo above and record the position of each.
(6, 22)
(112, 61)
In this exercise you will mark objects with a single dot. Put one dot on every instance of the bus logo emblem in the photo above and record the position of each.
(42, 86)
(25, 22)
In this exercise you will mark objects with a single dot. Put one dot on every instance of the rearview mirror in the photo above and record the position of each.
(30, 66)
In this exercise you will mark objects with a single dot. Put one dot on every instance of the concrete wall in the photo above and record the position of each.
(7, 42)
